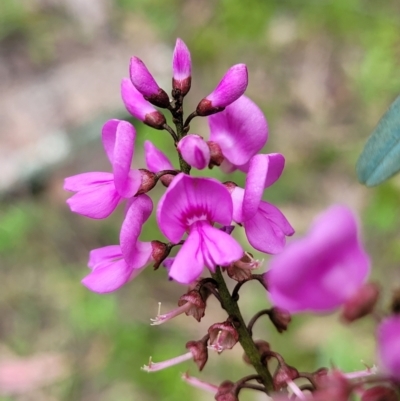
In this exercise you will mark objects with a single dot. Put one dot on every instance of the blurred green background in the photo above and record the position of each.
(323, 71)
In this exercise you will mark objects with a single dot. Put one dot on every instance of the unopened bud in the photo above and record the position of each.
(216, 154)
(223, 336)
(148, 181)
(280, 318)
(361, 303)
(199, 351)
(155, 120)
(379, 393)
(198, 306)
(227, 391)
(159, 253)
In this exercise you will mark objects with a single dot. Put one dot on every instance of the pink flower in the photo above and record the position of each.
(98, 193)
(240, 130)
(193, 205)
(144, 82)
(113, 266)
(389, 346)
(194, 151)
(156, 160)
(231, 87)
(181, 67)
(139, 107)
(323, 270)
(265, 226)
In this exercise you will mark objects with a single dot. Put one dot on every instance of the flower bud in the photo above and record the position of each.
(361, 303)
(159, 253)
(148, 181)
(198, 306)
(231, 87)
(139, 107)
(216, 156)
(280, 318)
(379, 393)
(227, 391)
(283, 375)
(223, 336)
(199, 351)
(182, 68)
(144, 82)
(194, 151)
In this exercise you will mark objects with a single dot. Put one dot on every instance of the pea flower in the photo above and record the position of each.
(193, 205)
(324, 269)
(389, 346)
(181, 67)
(99, 193)
(265, 225)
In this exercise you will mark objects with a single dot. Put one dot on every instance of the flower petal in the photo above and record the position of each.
(78, 182)
(155, 159)
(181, 61)
(389, 346)
(104, 254)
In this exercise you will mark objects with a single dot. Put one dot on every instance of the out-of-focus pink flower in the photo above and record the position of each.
(265, 226)
(99, 193)
(181, 67)
(144, 82)
(231, 87)
(192, 205)
(113, 266)
(324, 269)
(140, 108)
(194, 151)
(240, 130)
(389, 346)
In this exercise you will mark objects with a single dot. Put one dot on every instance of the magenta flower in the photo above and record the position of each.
(144, 82)
(156, 160)
(265, 226)
(240, 130)
(231, 87)
(193, 205)
(194, 151)
(389, 346)
(97, 193)
(321, 271)
(113, 266)
(181, 67)
(139, 107)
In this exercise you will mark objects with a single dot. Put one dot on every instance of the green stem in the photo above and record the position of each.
(245, 339)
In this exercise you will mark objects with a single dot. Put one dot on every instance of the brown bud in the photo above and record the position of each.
(216, 156)
(198, 306)
(262, 347)
(148, 181)
(241, 270)
(181, 86)
(155, 119)
(379, 393)
(205, 108)
(167, 179)
(361, 303)
(160, 99)
(280, 318)
(227, 391)
(160, 251)
(223, 336)
(199, 351)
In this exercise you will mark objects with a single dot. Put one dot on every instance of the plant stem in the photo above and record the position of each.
(245, 339)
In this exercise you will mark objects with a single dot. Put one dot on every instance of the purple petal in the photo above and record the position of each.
(321, 271)
(155, 159)
(275, 168)
(104, 254)
(108, 277)
(189, 199)
(78, 182)
(108, 136)
(237, 196)
(240, 130)
(96, 202)
(134, 101)
(181, 61)
(141, 78)
(267, 229)
(231, 87)
(389, 346)
(194, 151)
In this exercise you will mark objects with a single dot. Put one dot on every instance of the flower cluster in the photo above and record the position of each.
(197, 216)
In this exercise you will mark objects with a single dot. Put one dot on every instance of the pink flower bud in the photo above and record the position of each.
(182, 68)
(194, 151)
(231, 87)
(280, 318)
(227, 391)
(144, 82)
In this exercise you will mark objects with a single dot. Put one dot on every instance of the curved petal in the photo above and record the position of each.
(108, 134)
(141, 78)
(189, 199)
(267, 229)
(142, 255)
(389, 346)
(275, 168)
(78, 182)
(188, 263)
(155, 159)
(240, 130)
(104, 254)
(96, 202)
(194, 151)
(108, 277)
(237, 195)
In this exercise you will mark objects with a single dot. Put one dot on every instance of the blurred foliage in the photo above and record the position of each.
(43, 247)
